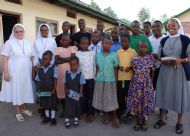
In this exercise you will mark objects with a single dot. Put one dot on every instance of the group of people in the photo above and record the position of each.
(120, 73)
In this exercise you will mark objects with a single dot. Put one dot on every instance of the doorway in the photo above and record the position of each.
(8, 21)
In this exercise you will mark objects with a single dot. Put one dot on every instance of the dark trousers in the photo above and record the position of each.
(156, 73)
(122, 94)
(88, 92)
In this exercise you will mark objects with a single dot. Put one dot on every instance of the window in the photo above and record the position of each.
(15, 1)
(71, 14)
(52, 24)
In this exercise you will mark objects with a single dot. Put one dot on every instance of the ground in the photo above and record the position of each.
(9, 126)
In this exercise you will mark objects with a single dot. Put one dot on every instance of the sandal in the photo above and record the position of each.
(106, 120)
(179, 128)
(27, 113)
(144, 126)
(137, 125)
(90, 119)
(116, 123)
(159, 124)
(20, 117)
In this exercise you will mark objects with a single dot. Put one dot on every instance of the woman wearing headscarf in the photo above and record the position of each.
(173, 86)
(17, 54)
(44, 42)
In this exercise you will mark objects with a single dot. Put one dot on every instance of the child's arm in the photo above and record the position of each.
(81, 90)
(60, 60)
(55, 84)
(115, 70)
(152, 74)
(97, 69)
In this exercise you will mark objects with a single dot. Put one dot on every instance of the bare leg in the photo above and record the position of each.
(179, 119)
(116, 123)
(18, 110)
(163, 115)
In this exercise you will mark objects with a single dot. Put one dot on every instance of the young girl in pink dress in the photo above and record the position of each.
(62, 59)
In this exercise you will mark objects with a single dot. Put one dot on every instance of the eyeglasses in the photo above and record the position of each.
(19, 31)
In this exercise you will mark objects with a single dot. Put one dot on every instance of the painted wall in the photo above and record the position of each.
(30, 9)
(185, 19)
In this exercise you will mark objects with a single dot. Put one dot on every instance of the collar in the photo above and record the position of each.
(47, 67)
(129, 49)
(70, 72)
(174, 36)
(153, 37)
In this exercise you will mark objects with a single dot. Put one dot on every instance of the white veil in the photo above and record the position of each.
(39, 33)
(16, 25)
(181, 30)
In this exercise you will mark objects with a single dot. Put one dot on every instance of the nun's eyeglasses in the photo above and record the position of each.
(19, 31)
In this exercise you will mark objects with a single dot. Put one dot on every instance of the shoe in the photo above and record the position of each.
(27, 113)
(179, 128)
(76, 122)
(53, 122)
(20, 117)
(159, 124)
(67, 123)
(45, 121)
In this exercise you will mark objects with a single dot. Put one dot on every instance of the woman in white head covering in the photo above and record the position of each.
(44, 42)
(173, 86)
(17, 54)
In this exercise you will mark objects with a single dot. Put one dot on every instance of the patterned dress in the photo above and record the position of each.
(141, 93)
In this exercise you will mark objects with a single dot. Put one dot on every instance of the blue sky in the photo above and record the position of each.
(129, 8)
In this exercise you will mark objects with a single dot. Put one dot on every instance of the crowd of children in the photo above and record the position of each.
(93, 73)
(88, 73)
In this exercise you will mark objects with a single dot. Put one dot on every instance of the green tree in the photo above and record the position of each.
(164, 18)
(109, 11)
(94, 5)
(144, 14)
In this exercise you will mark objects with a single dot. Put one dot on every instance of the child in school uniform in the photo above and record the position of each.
(62, 59)
(125, 72)
(47, 78)
(88, 69)
(141, 92)
(96, 43)
(105, 94)
(74, 81)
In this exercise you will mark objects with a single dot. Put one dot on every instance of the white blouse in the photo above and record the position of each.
(87, 63)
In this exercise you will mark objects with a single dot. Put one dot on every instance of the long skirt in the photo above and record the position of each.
(105, 97)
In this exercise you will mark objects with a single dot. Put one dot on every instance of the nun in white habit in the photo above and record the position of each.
(44, 42)
(17, 54)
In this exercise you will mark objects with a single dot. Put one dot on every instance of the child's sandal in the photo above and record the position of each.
(137, 126)
(106, 120)
(144, 126)
(27, 113)
(20, 117)
(116, 123)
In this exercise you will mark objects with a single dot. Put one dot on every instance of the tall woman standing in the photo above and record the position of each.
(17, 54)
(173, 86)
